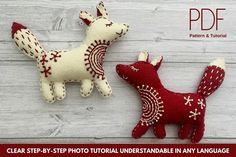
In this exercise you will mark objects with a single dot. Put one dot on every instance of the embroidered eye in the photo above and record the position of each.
(134, 69)
(109, 25)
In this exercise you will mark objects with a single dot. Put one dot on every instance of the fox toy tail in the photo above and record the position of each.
(212, 77)
(26, 41)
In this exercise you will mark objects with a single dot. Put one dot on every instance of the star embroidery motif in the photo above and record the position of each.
(194, 114)
(200, 102)
(46, 71)
(55, 56)
(188, 101)
(44, 59)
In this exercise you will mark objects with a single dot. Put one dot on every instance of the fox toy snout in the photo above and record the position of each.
(120, 69)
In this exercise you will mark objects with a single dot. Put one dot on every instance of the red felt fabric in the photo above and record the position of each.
(161, 106)
(98, 12)
(86, 21)
(15, 27)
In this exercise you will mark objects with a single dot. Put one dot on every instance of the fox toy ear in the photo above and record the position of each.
(101, 10)
(86, 17)
(143, 56)
(157, 62)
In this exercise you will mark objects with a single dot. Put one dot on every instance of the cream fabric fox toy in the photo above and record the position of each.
(83, 64)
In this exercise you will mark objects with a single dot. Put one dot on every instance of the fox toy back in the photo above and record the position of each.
(83, 64)
(161, 106)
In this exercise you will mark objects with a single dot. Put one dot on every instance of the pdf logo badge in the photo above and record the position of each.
(201, 14)
(207, 20)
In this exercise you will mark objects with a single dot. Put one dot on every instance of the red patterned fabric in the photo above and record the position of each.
(161, 106)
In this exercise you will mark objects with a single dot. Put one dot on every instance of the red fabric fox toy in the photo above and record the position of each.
(161, 106)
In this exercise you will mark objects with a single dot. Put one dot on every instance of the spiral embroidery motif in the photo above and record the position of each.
(94, 57)
(152, 108)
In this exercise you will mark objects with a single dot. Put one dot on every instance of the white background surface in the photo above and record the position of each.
(159, 26)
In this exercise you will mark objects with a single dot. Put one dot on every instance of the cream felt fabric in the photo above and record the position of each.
(83, 64)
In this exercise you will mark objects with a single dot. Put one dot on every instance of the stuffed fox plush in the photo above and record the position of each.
(161, 106)
(83, 64)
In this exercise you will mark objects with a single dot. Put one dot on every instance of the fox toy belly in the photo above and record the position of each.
(163, 106)
(180, 108)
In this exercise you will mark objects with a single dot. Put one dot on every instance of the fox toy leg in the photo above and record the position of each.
(184, 131)
(59, 90)
(103, 87)
(86, 87)
(139, 130)
(47, 90)
(198, 133)
(159, 130)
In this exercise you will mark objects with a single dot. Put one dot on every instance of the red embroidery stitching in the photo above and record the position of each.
(46, 71)
(94, 57)
(55, 56)
(44, 60)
